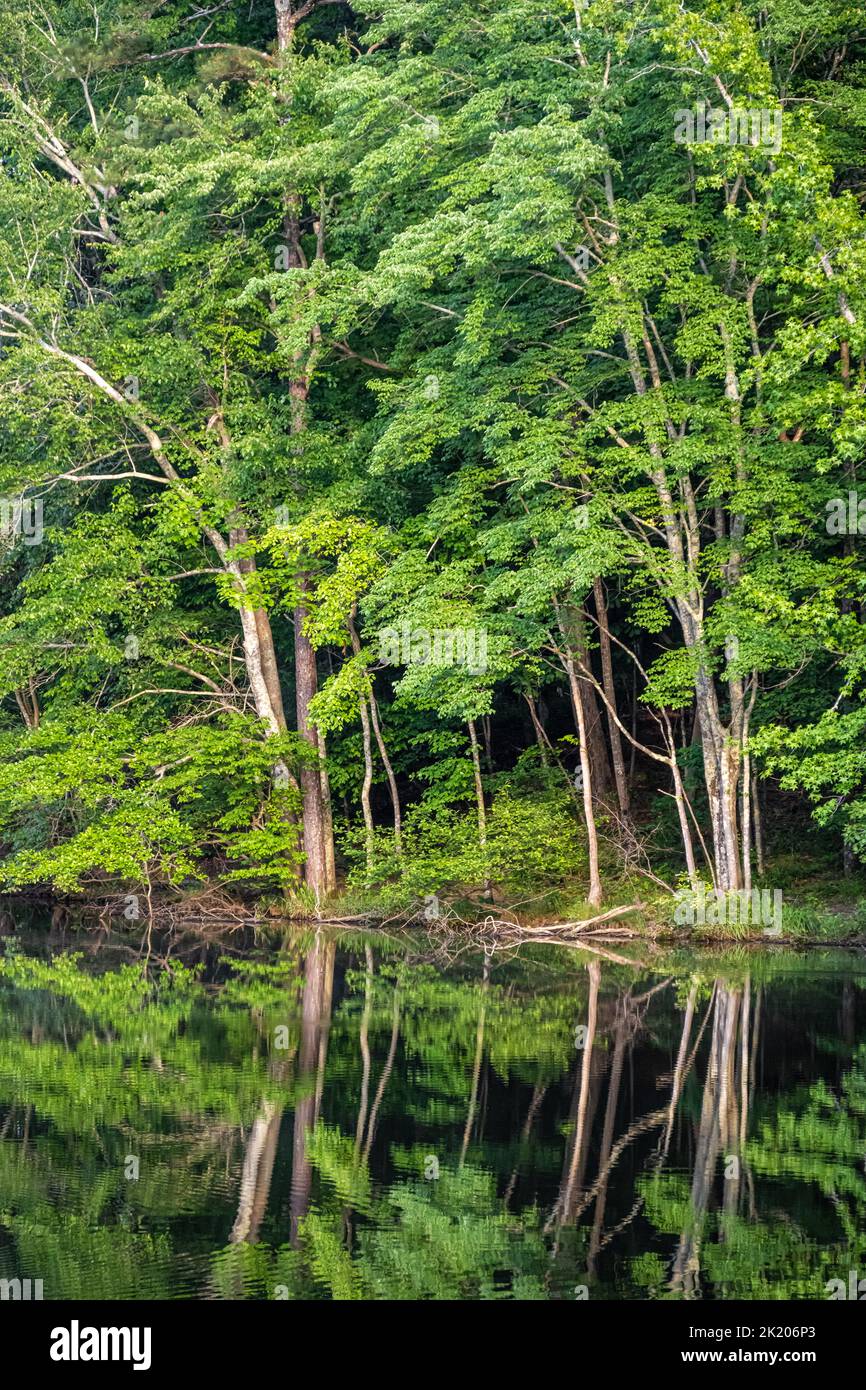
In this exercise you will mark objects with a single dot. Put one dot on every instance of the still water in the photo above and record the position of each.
(367, 1117)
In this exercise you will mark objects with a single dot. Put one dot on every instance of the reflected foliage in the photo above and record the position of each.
(350, 1120)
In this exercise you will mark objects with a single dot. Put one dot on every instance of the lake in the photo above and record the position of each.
(351, 1116)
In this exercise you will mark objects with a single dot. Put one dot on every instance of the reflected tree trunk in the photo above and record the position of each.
(718, 1132)
(607, 1134)
(538, 1094)
(259, 1155)
(364, 1043)
(476, 1068)
(312, 1053)
(576, 1157)
(384, 1078)
(679, 1067)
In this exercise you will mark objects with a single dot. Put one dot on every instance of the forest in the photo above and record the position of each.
(430, 435)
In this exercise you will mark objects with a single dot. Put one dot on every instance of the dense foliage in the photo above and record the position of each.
(411, 436)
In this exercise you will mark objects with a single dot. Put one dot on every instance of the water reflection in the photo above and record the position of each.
(350, 1119)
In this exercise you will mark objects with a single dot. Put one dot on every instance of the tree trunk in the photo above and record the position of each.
(239, 535)
(316, 869)
(389, 771)
(747, 821)
(367, 783)
(270, 668)
(607, 681)
(721, 775)
(681, 526)
(479, 797)
(256, 671)
(539, 731)
(319, 872)
(758, 821)
(594, 896)
(572, 629)
(683, 816)
(330, 858)
(380, 741)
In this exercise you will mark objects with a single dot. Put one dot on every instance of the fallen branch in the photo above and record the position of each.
(586, 923)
